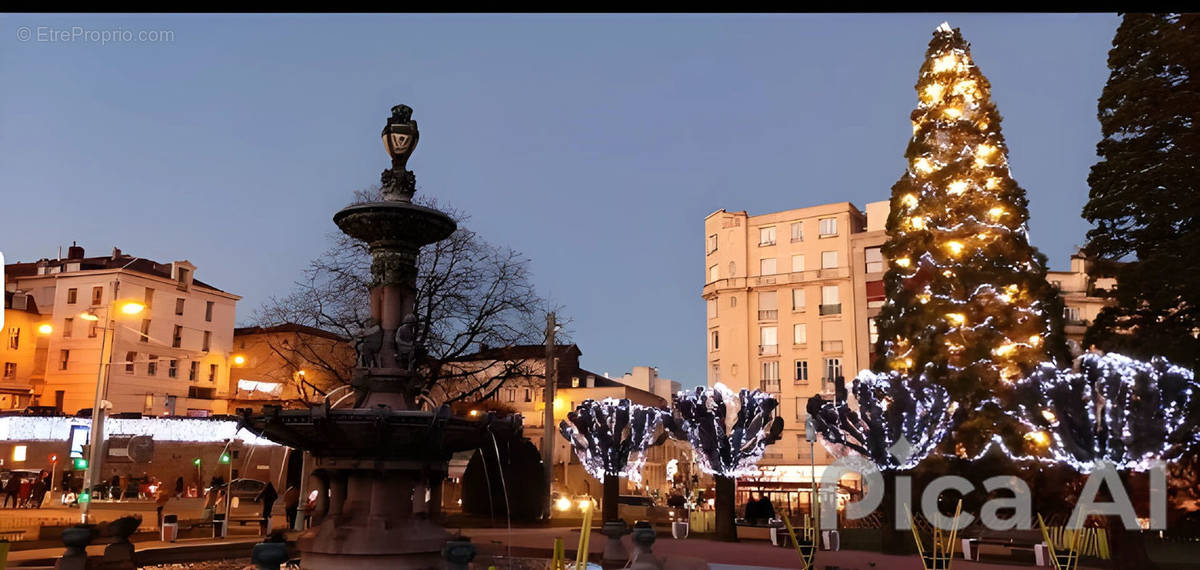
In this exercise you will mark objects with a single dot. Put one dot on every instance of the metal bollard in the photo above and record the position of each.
(220, 528)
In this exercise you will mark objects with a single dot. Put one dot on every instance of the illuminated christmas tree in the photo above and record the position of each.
(968, 301)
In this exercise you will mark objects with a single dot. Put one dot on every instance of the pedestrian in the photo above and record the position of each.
(36, 492)
(12, 490)
(160, 501)
(291, 503)
(25, 492)
(268, 496)
(179, 487)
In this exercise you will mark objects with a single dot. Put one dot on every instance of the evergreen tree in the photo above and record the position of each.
(968, 301)
(1145, 191)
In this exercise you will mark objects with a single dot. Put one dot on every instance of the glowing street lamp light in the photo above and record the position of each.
(45, 329)
(132, 308)
(239, 360)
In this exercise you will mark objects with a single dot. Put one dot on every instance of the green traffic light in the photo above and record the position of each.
(224, 458)
(196, 462)
(81, 463)
(85, 497)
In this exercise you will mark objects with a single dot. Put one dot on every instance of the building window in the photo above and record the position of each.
(797, 263)
(177, 337)
(804, 448)
(129, 358)
(72, 296)
(193, 369)
(179, 306)
(145, 330)
(872, 331)
(797, 231)
(799, 333)
(831, 346)
(93, 328)
(172, 368)
(712, 244)
(148, 406)
(768, 306)
(208, 310)
(827, 227)
(68, 327)
(801, 372)
(716, 372)
(829, 260)
(830, 305)
(768, 340)
(528, 395)
(574, 381)
(766, 236)
(733, 301)
(770, 376)
(10, 370)
(797, 299)
(1071, 314)
(63, 357)
(712, 308)
(716, 340)
(833, 370)
(20, 452)
(766, 266)
(152, 366)
(182, 274)
(149, 298)
(874, 259)
(14, 338)
(97, 296)
(207, 341)
(713, 274)
(1057, 284)
(212, 372)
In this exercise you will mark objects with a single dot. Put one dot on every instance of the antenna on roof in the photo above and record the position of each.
(944, 28)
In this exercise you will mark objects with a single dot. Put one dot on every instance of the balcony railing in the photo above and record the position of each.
(769, 385)
(777, 278)
(201, 393)
(828, 385)
(768, 349)
(768, 315)
(831, 309)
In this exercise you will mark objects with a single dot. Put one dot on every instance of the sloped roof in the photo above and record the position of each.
(289, 328)
(138, 265)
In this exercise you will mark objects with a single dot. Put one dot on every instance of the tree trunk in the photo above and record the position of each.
(726, 530)
(891, 541)
(612, 489)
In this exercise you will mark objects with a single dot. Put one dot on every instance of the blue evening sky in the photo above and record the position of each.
(593, 144)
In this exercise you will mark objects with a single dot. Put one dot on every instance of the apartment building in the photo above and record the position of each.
(22, 350)
(1083, 293)
(790, 297)
(170, 357)
(288, 365)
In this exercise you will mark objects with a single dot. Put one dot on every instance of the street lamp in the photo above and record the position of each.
(92, 475)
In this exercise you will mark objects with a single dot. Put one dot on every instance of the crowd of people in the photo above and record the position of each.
(26, 491)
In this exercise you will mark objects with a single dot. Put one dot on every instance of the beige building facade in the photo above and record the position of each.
(1083, 294)
(22, 350)
(789, 300)
(171, 358)
(289, 365)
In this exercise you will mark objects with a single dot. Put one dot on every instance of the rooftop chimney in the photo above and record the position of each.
(116, 253)
(74, 252)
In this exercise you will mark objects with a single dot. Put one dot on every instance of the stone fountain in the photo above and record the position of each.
(379, 465)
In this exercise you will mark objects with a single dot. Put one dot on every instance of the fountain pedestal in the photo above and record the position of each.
(379, 465)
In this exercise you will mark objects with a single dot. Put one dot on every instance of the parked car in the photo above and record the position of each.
(26, 474)
(569, 504)
(633, 508)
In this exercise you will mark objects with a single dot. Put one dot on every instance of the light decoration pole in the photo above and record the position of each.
(610, 438)
(729, 433)
(96, 433)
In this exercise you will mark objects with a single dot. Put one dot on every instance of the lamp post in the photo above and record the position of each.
(92, 474)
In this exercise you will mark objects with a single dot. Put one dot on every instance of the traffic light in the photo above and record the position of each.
(85, 496)
(224, 458)
(80, 463)
(196, 462)
(53, 458)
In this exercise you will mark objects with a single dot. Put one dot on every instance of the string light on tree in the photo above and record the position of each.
(979, 286)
